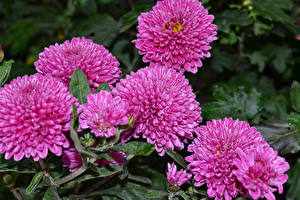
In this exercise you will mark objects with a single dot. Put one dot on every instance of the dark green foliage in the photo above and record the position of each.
(253, 75)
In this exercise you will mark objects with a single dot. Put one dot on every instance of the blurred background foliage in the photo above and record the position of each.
(253, 73)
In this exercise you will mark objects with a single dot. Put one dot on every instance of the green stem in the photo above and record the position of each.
(71, 176)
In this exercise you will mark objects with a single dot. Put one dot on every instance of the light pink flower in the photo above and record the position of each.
(72, 159)
(102, 113)
(34, 112)
(177, 34)
(61, 60)
(163, 105)
(259, 170)
(214, 151)
(177, 178)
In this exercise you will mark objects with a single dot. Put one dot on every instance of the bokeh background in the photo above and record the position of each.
(249, 75)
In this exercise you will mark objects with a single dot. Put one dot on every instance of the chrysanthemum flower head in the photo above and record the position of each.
(177, 178)
(177, 34)
(102, 113)
(259, 170)
(61, 60)
(214, 151)
(163, 105)
(34, 112)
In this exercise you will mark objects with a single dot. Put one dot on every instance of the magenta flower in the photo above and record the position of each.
(177, 178)
(61, 60)
(34, 112)
(103, 113)
(259, 170)
(163, 105)
(215, 149)
(72, 159)
(177, 34)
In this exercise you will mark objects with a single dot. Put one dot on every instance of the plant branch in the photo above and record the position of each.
(16, 193)
(71, 176)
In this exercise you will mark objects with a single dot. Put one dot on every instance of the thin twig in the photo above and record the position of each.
(71, 176)
(16, 193)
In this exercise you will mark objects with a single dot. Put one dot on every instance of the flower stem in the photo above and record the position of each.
(16, 193)
(71, 176)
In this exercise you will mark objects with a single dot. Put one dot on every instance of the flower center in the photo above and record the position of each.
(173, 26)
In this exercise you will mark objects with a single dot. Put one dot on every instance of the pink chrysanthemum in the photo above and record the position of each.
(60, 61)
(72, 159)
(177, 34)
(259, 170)
(177, 178)
(34, 112)
(163, 105)
(102, 113)
(215, 149)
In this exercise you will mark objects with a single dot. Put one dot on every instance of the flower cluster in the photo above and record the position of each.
(176, 34)
(230, 157)
(164, 107)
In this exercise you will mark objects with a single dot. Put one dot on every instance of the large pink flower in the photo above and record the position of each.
(215, 150)
(177, 178)
(259, 170)
(102, 113)
(163, 105)
(177, 34)
(34, 112)
(60, 60)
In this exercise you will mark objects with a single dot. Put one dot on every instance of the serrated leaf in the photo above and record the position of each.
(5, 71)
(34, 182)
(295, 95)
(79, 86)
(232, 17)
(229, 101)
(135, 148)
(128, 20)
(103, 86)
(177, 157)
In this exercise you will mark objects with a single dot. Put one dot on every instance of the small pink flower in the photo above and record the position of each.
(72, 159)
(259, 170)
(164, 107)
(214, 151)
(97, 63)
(176, 34)
(298, 37)
(102, 113)
(34, 112)
(177, 178)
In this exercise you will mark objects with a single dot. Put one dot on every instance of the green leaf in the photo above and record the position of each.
(135, 148)
(128, 20)
(79, 86)
(257, 58)
(177, 157)
(229, 101)
(294, 182)
(50, 194)
(182, 194)
(103, 86)
(282, 57)
(232, 17)
(222, 60)
(34, 182)
(140, 179)
(5, 71)
(294, 119)
(101, 172)
(295, 95)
